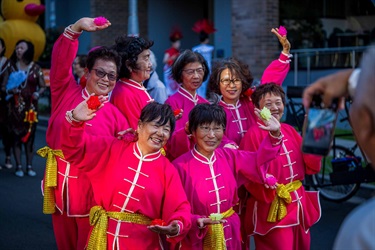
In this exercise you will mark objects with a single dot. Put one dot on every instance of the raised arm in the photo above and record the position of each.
(63, 54)
(278, 69)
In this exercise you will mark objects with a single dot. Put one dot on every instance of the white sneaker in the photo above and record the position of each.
(8, 164)
(19, 173)
(31, 172)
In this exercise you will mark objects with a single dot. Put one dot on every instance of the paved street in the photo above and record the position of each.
(22, 223)
(24, 226)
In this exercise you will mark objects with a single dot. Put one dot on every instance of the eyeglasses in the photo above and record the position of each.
(101, 74)
(190, 72)
(235, 81)
(207, 129)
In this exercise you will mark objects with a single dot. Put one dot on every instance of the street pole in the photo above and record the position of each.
(133, 27)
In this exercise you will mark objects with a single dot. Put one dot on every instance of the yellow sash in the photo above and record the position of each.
(50, 182)
(99, 219)
(278, 207)
(214, 238)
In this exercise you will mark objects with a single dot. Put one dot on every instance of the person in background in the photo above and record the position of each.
(357, 230)
(170, 56)
(211, 176)
(129, 95)
(204, 28)
(231, 86)
(4, 129)
(138, 193)
(154, 86)
(271, 227)
(79, 65)
(67, 191)
(24, 84)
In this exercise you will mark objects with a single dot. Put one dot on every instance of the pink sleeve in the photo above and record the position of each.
(176, 206)
(254, 165)
(85, 151)
(178, 144)
(277, 71)
(61, 76)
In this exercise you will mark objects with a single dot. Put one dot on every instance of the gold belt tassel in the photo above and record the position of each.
(214, 239)
(278, 208)
(50, 182)
(99, 219)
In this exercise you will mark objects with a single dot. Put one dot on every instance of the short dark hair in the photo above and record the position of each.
(185, 58)
(267, 88)
(205, 113)
(155, 110)
(2, 53)
(103, 53)
(236, 67)
(28, 56)
(82, 60)
(129, 48)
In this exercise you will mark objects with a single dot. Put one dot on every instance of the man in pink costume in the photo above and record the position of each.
(133, 183)
(71, 193)
(289, 168)
(211, 176)
(129, 95)
(231, 79)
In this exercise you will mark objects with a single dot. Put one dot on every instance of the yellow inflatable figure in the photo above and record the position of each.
(19, 24)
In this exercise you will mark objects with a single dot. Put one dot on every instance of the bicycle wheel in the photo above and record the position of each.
(322, 182)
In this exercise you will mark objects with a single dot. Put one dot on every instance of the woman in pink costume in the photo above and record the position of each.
(211, 176)
(190, 69)
(231, 80)
(67, 190)
(129, 95)
(273, 228)
(133, 183)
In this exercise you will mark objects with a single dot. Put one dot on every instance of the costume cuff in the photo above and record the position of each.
(71, 34)
(69, 117)
(285, 58)
(353, 81)
(276, 140)
(180, 227)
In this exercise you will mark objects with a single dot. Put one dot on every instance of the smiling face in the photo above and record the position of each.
(192, 77)
(101, 85)
(230, 87)
(152, 137)
(274, 103)
(144, 67)
(208, 137)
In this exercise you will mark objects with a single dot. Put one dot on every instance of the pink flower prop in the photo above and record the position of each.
(271, 181)
(282, 31)
(101, 20)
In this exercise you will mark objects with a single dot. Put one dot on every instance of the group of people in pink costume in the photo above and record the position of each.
(109, 184)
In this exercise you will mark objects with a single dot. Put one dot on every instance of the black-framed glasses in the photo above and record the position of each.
(227, 81)
(101, 74)
(190, 72)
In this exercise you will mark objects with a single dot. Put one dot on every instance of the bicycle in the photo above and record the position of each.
(342, 170)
